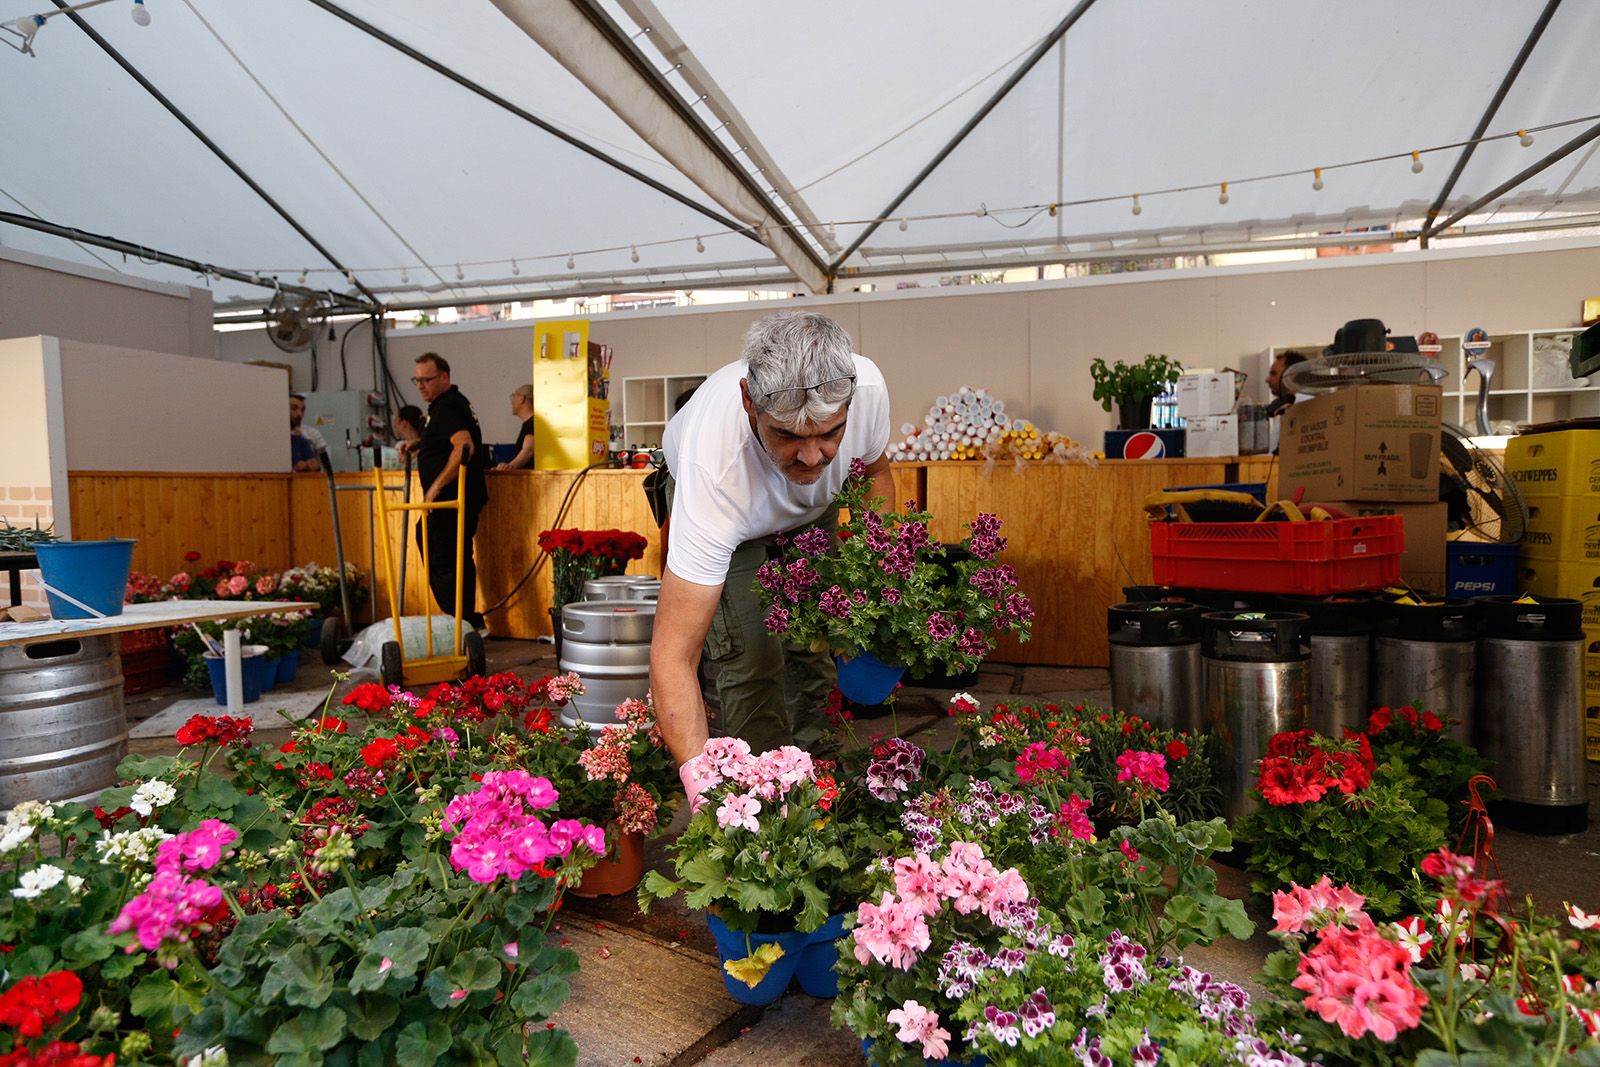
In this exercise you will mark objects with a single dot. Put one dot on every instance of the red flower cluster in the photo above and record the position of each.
(56, 1054)
(370, 697)
(34, 1003)
(215, 730)
(1295, 771)
(385, 750)
(606, 544)
(1381, 719)
(1177, 750)
(108, 819)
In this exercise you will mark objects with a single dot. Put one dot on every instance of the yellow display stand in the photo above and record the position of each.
(571, 396)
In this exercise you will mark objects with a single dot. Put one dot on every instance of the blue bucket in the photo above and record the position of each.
(866, 679)
(288, 667)
(733, 945)
(95, 572)
(815, 971)
(250, 674)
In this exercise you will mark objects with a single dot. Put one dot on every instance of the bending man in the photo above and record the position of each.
(761, 449)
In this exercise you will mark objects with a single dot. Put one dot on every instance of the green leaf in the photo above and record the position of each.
(540, 997)
(308, 1034)
(552, 1048)
(422, 1042)
(703, 870)
(369, 1017)
(158, 997)
(117, 968)
(405, 947)
(87, 946)
(379, 1053)
(475, 970)
(301, 975)
(215, 792)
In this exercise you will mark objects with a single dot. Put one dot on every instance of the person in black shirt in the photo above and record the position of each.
(450, 440)
(522, 408)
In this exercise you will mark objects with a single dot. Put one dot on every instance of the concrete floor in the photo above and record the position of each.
(659, 971)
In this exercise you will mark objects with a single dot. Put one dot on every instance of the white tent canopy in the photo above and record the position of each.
(406, 153)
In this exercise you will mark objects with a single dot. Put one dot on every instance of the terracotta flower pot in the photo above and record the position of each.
(616, 873)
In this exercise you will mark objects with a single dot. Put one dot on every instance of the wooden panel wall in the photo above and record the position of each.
(1076, 536)
(220, 516)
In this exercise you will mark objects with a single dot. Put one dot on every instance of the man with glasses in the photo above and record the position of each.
(450, 439)
(761, 449)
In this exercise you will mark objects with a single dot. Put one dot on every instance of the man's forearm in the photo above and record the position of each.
(883, 486)
(446, 476)
(675, 687)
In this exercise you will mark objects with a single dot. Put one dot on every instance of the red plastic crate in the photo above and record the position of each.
(1311, 558)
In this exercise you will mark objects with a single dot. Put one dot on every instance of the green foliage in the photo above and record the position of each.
(1122, 383)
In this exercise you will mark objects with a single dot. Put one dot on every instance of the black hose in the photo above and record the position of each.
(561, 512)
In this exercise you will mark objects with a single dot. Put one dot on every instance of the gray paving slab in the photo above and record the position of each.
(794, 1032)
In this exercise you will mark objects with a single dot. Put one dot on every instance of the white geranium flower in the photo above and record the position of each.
(14, 837)
(74, 884)
(20, 824)
(215, 1056)
(152, 795)
(38, 881)
(130, 848)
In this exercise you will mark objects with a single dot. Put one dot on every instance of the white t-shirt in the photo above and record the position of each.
(729, 491)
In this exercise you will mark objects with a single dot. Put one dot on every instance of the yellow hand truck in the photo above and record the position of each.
(469, 659)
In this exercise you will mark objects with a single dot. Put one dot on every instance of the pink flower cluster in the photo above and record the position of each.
(641, 715)
(609, 756)
(1039, 758)
(1148, 770)
(895, 930)
(920, 1026)
(636, 809)
(764, 778)
(1360, 980)
(563, 687)
(497, 834)
(1073, 818)
(174, 905)
(1301, 910)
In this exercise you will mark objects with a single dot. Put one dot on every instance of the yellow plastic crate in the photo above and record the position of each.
(1566, 463)
(1580, 581)
(1562, 528)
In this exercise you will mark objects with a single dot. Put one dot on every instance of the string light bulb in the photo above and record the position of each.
(633, 253)
(1053, 209)
(699, 245)
(1416, 163)
(904, 225)
(983, 210)
(1525, 139)
(515, 269)
(459, 275)
(405, 278)
(831, 232)
(1316, 179)
(303, 277)
(1222, 197)
(1138, 208)
(571, 263)
(141, 14)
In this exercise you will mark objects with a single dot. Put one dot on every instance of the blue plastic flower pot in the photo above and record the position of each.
(733, 945)
(288, 666)
(976, 1061)
(269, 673)
(95, 572)
(314, 632)
(866, 679)
(815, 971)
(250, 675)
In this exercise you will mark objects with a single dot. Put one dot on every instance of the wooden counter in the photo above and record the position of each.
(1077, 532)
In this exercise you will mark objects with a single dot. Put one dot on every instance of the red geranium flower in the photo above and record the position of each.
(380, 752)
(332, 725)
(1432, 722)
(1290, 743)
(1177, 749)
(1285, 782)
(34, 1003)
(369, 697)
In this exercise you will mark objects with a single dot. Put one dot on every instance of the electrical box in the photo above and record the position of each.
(341, 416)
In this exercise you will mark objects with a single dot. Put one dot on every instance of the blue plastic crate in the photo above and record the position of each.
(1480, 568)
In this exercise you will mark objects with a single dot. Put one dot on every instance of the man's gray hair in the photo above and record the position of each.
(786, 353)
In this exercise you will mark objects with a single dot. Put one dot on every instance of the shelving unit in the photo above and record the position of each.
(1531, 381)
(647, 404)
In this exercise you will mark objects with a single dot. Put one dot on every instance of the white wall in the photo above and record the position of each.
(127, 409)
(40, 295)
(1031, 345)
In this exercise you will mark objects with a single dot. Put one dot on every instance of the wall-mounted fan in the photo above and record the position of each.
(290, 325)
(1477, 491)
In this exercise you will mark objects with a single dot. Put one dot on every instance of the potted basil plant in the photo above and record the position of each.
(1133, 387)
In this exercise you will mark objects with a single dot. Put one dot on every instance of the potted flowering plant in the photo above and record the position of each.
(576, 556)
(879, 593)
(1331, 807)
(761, 856)
(1469, 980)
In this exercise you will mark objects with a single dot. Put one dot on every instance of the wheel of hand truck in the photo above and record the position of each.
(472, 648)
(335, 639)
(393, 668)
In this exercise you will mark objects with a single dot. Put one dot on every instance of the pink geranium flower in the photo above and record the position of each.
(739, 810)
(892, 932)
(1361, 981)
(1148, 770)
(1321, 904)
(919, 1025)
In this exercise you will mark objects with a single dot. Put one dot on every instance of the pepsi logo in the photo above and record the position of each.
(1144, 445)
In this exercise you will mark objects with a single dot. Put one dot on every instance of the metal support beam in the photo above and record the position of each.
(11, 218)
(1517, 179)
(216, 150)
(1488, 116)
(989, 105)
(529, 117)
(582, 37)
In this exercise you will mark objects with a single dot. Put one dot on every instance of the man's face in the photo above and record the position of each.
(518, 401)
(801, 452)
(1275, 377)
(297, 412)
(429, 380)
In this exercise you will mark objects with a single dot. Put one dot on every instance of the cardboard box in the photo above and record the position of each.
(1422, 562)
(1212, 435)
(1144, 444)
(1368, 442)
(1564, 463)
(1207, 394)
(1562, 528)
